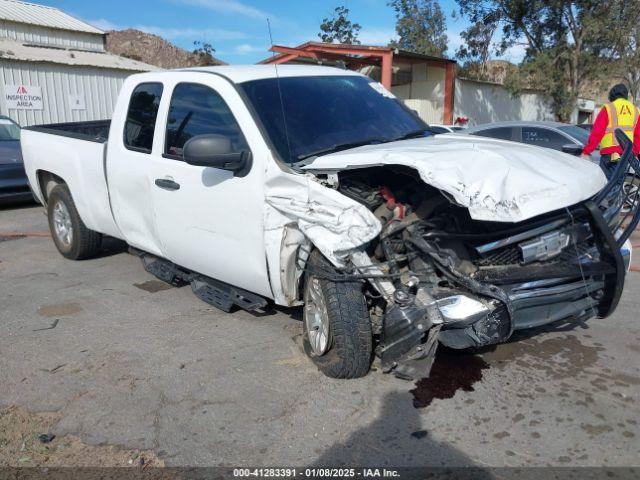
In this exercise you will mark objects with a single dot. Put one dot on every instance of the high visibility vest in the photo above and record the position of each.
(622, 114)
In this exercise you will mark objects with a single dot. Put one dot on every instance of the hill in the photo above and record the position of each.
(154, 50)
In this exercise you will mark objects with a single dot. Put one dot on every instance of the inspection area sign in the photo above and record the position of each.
(23, 97)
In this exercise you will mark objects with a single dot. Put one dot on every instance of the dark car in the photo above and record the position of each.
(14, 185)
(558, 136)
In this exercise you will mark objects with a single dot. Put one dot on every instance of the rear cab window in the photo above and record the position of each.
(194, 110)
(139, 127)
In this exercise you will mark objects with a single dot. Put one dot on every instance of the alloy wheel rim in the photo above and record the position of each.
(316, 318)
(62, 224)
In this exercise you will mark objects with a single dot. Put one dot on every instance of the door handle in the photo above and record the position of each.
(167, 184)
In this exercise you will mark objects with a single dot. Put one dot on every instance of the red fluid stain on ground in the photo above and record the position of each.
(450, 373)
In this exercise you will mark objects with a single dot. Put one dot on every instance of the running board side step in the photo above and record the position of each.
(214, 292)
(162, 269)
(224, 296)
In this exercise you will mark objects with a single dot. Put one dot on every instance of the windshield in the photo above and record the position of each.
(9, 130)
(580, 134)
(328, 113)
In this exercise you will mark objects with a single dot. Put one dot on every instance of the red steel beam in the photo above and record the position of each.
(315, 52)
(449, 78)
(280, 59)
(387, 70)
(347, 50)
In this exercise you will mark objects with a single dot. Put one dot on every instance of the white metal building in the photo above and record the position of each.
(487, 102)
(54, 67)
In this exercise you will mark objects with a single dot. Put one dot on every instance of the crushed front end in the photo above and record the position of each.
(437, 276)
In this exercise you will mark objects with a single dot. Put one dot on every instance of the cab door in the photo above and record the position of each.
(207, 219)
(129, 163)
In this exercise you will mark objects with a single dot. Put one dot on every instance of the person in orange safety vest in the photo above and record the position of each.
(618, 113)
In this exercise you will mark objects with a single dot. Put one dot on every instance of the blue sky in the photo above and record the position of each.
(237, 28)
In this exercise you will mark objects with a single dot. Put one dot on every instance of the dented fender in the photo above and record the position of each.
(300, 212)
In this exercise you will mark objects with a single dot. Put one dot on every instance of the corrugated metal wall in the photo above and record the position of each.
(425, 93)
(485, 103)
(50, 36)
(99, 87)
(428, 110)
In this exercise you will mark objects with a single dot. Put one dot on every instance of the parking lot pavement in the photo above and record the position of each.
(122, 360)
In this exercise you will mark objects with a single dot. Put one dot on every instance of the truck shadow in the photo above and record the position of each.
(112, 246)
(398, 439)
(18, 204)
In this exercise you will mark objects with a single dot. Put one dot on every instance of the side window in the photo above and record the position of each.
(199, 110)
(141, 117)
(501, 133)
(543, 137)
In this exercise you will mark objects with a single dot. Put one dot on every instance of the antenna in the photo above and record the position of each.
(284, 118)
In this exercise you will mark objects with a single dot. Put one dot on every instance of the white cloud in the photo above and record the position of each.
(377, 36)
(454, 42)
(234, 7)
(104, 24)
(246, 49)
(212, 34)
(205, 34)
(515, 53)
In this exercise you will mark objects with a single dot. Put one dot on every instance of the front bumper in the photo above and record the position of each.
(568, 265)
(583, 283)
(501, 296)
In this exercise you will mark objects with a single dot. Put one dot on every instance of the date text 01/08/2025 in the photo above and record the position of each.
(315, 472)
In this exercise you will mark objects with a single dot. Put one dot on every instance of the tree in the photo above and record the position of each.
(562, 41)
(626, 41)
(339, 28)
(630, 58)
(421, 27)
(204, 52)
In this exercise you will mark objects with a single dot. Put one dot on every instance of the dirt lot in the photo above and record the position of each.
(120, 368)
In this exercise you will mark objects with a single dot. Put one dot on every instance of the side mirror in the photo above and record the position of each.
(215, 151)
(572, 149)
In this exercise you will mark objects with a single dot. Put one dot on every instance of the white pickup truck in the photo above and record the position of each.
(315, 186)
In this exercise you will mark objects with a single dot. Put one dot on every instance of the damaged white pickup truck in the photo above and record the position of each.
(315, 186)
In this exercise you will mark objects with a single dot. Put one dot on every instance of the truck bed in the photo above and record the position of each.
(93, 131)
(74, 153)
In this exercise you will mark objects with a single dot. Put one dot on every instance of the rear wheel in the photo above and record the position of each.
(337, 328)
(70, 235)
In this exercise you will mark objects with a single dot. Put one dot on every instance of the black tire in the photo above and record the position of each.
(350, 344)
(84, 243)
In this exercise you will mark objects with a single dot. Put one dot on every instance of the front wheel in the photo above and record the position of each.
(337, 332)
(71, 236)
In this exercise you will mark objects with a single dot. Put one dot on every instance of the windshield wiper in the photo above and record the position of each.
(341, 146)
(414, 134)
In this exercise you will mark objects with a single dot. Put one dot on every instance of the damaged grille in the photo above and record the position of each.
(512, 255)
(506, 256)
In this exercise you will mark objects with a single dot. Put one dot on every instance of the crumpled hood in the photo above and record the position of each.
(495, 179)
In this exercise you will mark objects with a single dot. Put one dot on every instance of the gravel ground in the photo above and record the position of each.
(101, 352)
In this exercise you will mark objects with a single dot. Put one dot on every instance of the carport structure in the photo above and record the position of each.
(358, 57)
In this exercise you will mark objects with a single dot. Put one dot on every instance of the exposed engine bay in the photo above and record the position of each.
(436, 276)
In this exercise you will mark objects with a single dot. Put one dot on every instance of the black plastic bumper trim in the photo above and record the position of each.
(614, 282)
